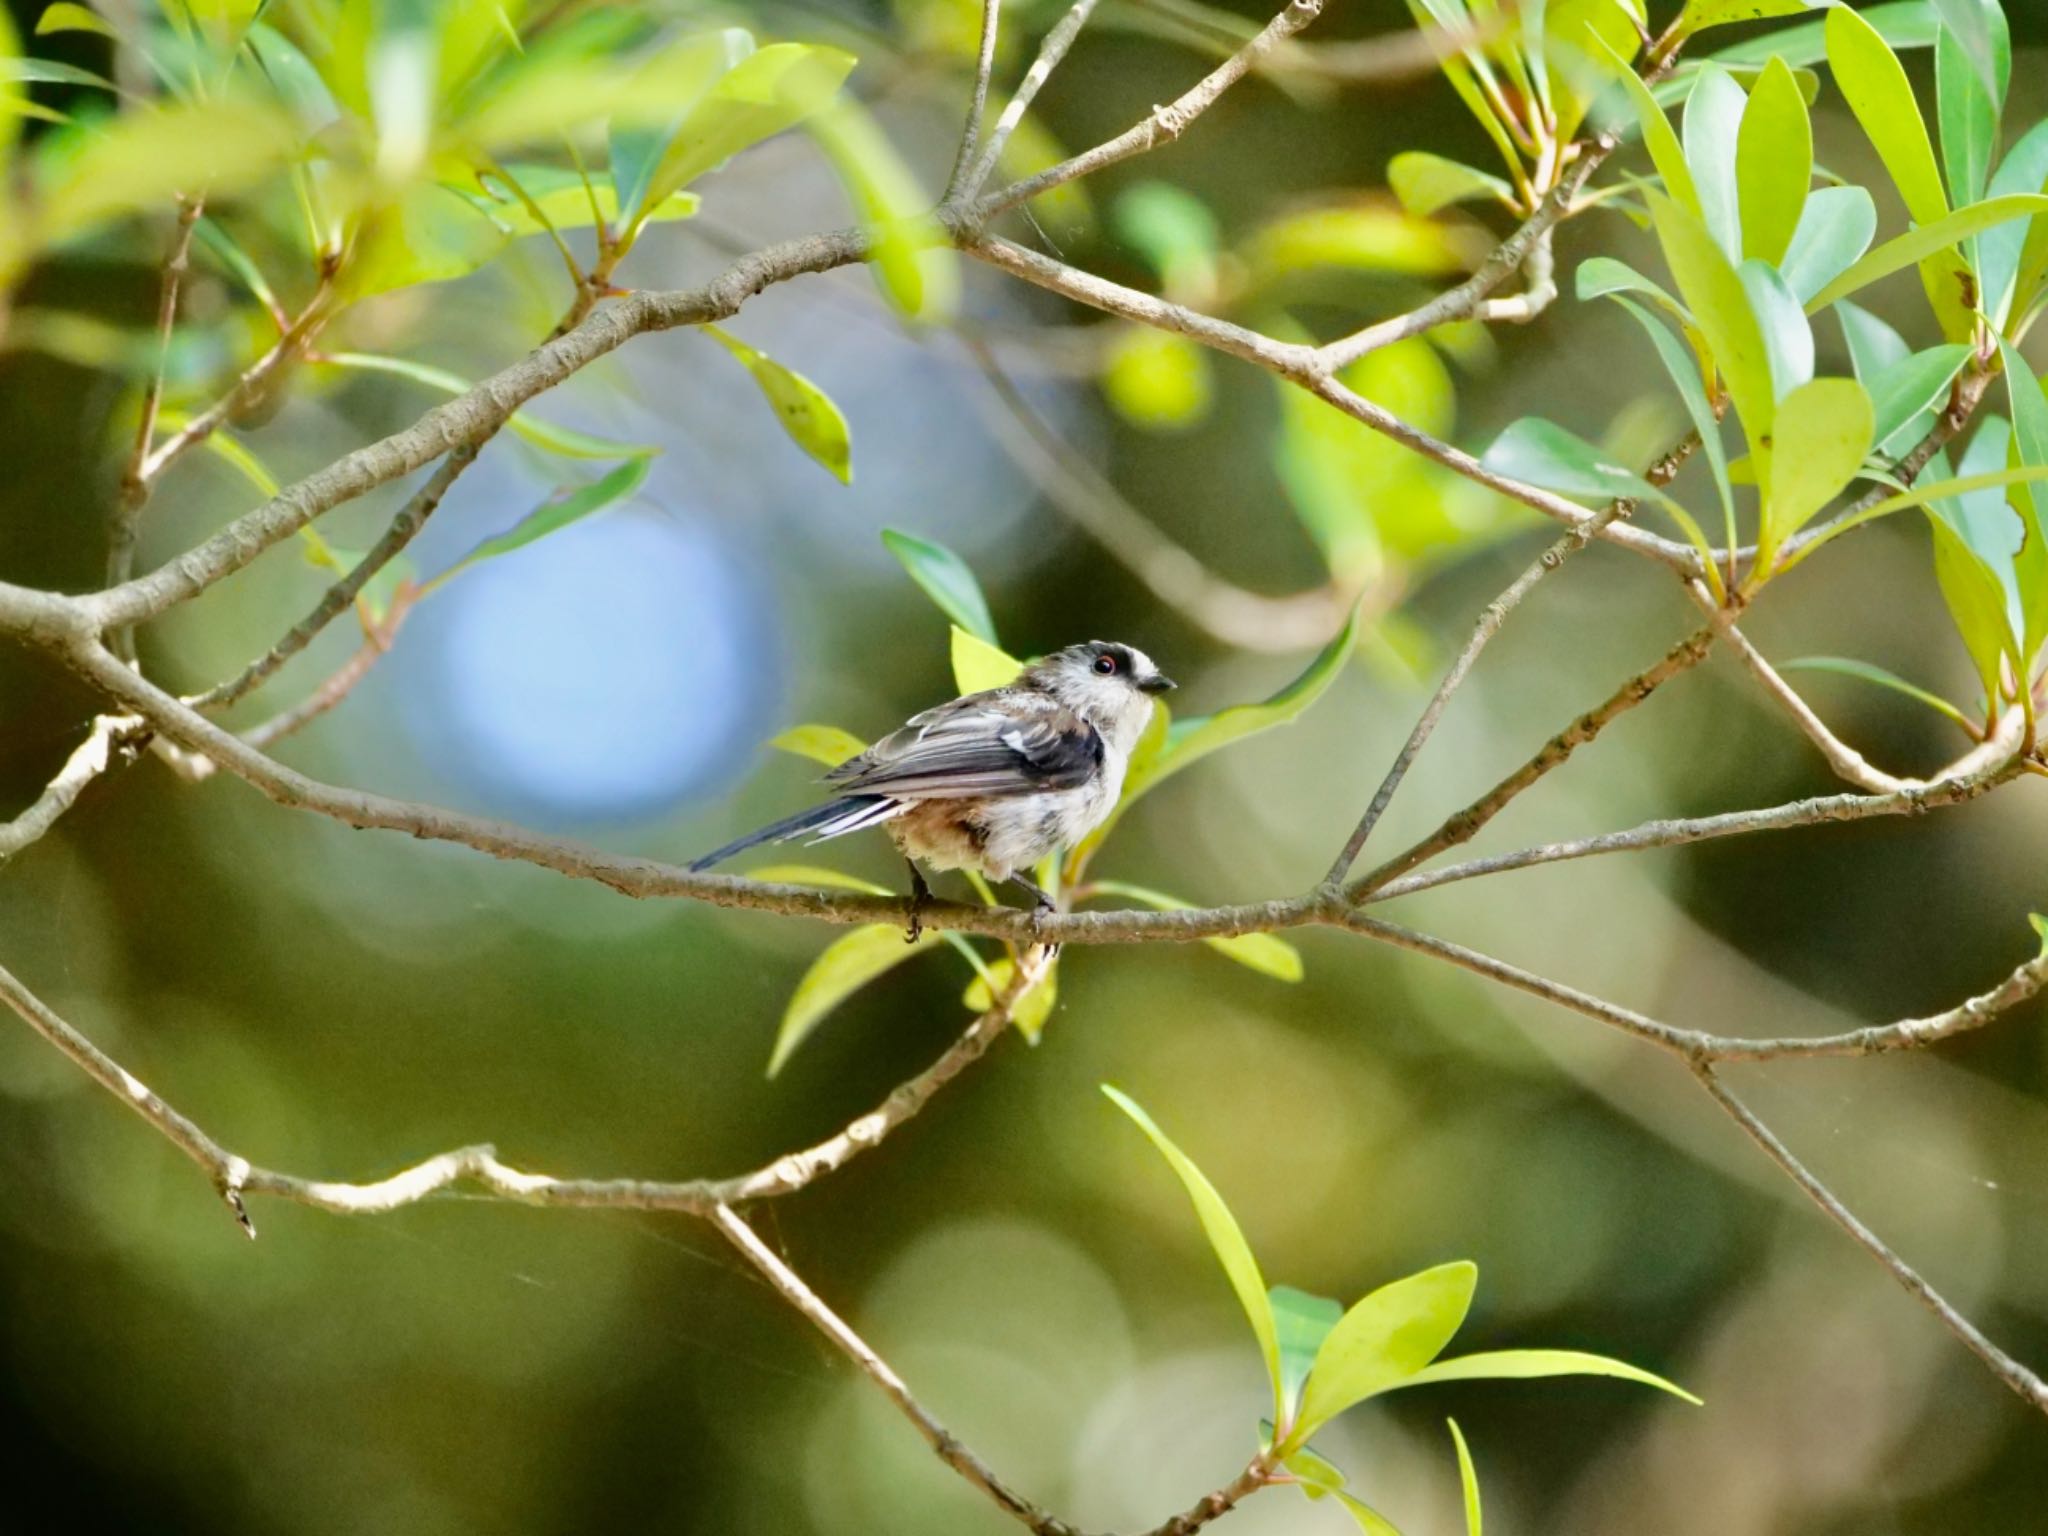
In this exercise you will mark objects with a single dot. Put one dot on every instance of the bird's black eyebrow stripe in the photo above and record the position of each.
(1121, 654)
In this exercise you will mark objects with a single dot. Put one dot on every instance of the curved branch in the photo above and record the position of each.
(91, 758)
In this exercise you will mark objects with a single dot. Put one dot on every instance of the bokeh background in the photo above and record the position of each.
(339, 1004)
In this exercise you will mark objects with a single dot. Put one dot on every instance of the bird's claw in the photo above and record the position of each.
(920, 898)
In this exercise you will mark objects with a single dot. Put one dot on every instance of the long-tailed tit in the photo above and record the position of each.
(996, 781)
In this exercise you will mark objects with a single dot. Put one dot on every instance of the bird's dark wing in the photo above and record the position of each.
(1004, 743)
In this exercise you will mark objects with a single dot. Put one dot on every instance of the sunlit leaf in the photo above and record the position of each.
(1266, 953)
(826, 744)
(1825, 430)
(1227, 1242)
(912, 260)
(1925, 240)
(817, 874)
(1528, 1364)
(946, 580)
(689, 69)
(979, 666)
(1970, 74)
(1468, 1481)
(557, 513)
(1698, 15)
(1867, 672)
(63, 16)
(143, 160)
(1368, 1519)
(1788, 339)
(1901, 23)
(2007, 292)
(52, 72)
(1032, 1010)
(530, 199)
(807, 413)
(1714, 111)
(432, 234)
(1874, 84)
(1774, 164)
(565, 441)
(1977, 31)
(1303, 1322)
(1685, 375)
(1666, 153)
(1157, 380)
(1384, 1340)
(849, 963)
(1428, 184)
(1362, 236)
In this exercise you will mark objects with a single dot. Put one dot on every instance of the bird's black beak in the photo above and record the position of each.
(1158, 682)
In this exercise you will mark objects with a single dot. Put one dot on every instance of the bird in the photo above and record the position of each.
(992, 782)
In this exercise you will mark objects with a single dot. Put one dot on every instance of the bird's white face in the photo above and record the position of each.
(1110, 685)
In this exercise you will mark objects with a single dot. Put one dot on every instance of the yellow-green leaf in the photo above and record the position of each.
(1825, 431)
(817, 874)
(826, 744)
(912, 261)
(566, 441)
(1227, 1242)
(848, 964)
(1773, 163)
(1927, 240)
(806, 412)
(1157, 380)
(1874, 84)
(1265, 953)
(1526, 1364)
(1032, 1009)
(1468, 1481)
(1383, 1341)
(979, 666)
(1427, 183)
(1666, 153)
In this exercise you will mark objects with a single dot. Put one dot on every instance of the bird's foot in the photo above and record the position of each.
(920, 898)
(1042, 907)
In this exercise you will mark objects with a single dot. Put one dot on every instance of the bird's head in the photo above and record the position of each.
(1110, 685)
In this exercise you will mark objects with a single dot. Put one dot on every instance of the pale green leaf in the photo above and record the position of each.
(1835, 229)
(1527, 1364)
(826, 744)
(1383, 1341)
(144, 160)
(1867, 672)
(2028, 449)
(1977, 31)
(1369, 1520)
(1266, 953)
(1468, 1481)
(1901, 23)
(1666, 153)
(1227, 1242)
(1714, 292)
(1788, 339)
(1903, 395)
(1427, 184)
(946, 580)
(1303, 1322)
(1714, 110)
(1174, 231)
(913, 262)
(817, 874)
(1927, 240)
(979, 666)
(848, 964)
(1970, 79)
(1685, 374)
(1032, 1009)
(2007, 294)
(1774, 164)
(688, 69)
(1874, 84)
(807, 413)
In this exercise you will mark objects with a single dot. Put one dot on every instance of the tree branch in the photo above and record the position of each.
(2023, 1381)
(1050, 52)
(109, 735)
(984, 66)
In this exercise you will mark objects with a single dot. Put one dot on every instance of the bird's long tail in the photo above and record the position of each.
(828, 820)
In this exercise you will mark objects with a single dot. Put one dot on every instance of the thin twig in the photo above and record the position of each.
(1163, 124)
(2030, 1387)
(977, 107)
(1050, 52)
(92, 757)
(1465, 824)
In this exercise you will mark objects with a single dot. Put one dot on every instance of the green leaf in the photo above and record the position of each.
(1714, 110)
(1369, 1520)
(1901, 23)
(946, 580)
(143, 160)
(979, 666)
(565, 441)
(1720, 305)
(2040, 927)
(1225, 1240)
(1318, 1477)
(1174, 231)
(765, 93)
(1906, 392)
(806, 412)
(817, 874)
(1701, 14)
(1468, 1481)
(689, 69)
(1263, 952)
(1875, 86)
(1189, 741)
(910, 257)
(1788, 339)
(1835, 229)
(1917, 244)
(848, 964)
(1527, 1364)
(1685, 374)
(1542, 453)
(1358, 237)
(1665, 151)
(1825, 430)
(1601, 277)
(1774, 164)
(222, 246)
(1976, 30)
(1849, 667)
(1157, 380)
(826, 744)
(1032, 1010)
(1969, 81)
(1302, 1322)
(66, 17)
(2006, 293)
(557, 513)
(539, 198)
(1976, 600)
(50, 72)
(232, 452)
(2029, 449)
(1383, 1341)
(1427, 184)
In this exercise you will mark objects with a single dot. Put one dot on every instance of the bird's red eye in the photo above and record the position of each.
(1105, 665)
